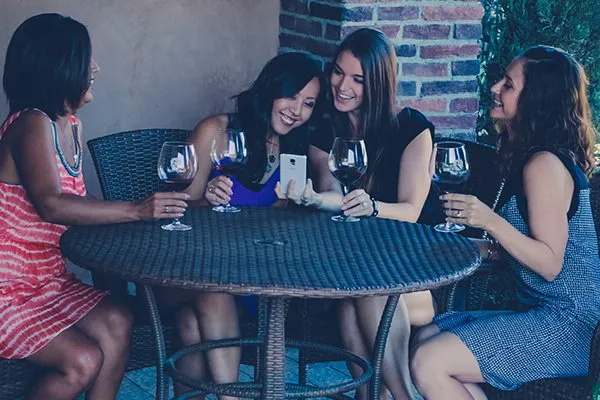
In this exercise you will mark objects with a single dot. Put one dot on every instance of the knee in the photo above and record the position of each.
(83, 366)
(423, 366)
(219, 304)
(119, 324)
(186, 323)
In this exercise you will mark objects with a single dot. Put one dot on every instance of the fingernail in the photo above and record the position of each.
(187, 196)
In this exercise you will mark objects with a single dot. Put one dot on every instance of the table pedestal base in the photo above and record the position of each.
(270, 371)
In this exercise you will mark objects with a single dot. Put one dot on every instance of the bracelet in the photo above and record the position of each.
(375, 207)
(492, 250)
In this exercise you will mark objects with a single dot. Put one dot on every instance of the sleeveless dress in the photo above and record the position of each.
(38, 298)
(550, 334)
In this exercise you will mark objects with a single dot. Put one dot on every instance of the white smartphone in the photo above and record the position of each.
(292, 166)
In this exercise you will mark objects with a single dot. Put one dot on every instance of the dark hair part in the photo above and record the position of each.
(283, 76)
(47, 65)
(377, 116)
(552, 111)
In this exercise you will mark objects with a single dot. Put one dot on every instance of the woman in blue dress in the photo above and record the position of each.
(544, 227)
(273, 113)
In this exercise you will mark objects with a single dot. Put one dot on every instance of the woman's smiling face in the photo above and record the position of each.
(291, 112)
(347, 82)
(507, 91)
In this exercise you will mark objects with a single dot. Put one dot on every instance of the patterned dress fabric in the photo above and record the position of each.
(38, 298)
(549, 335)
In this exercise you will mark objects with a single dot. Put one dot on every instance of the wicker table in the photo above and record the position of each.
(275, 254)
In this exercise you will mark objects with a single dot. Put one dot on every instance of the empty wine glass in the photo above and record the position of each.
(451, 168)
(177, 166)
(347, 162)
(228, 153)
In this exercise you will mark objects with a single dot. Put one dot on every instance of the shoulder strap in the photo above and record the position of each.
(13, 117)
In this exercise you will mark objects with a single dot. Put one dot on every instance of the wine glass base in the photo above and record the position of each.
(344, 218)
(449, 227)
(176, 226)
(227, 209)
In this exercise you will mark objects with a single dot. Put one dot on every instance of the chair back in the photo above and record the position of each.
(126, 162)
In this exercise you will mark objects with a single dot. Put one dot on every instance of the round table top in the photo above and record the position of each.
(276, 252)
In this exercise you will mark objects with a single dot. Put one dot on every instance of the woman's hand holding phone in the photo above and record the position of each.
(308, 198)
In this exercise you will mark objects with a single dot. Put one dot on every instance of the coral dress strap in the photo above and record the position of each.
(13, 117)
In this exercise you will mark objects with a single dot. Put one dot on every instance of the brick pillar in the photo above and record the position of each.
(436, 43)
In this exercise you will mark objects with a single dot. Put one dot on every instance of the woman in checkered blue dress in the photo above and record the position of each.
(546, 230)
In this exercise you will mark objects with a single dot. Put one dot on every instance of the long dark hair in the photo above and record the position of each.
(552, 111)
(377, 116)
(283, 76)
(47, 65)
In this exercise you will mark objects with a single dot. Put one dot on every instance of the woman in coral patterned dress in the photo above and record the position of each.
(48, 317)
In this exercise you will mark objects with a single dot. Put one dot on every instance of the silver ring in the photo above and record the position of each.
(211, 189)
(458, 213)
(166, 209)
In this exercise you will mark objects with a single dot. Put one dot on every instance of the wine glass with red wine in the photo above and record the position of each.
(347, 162)
(451, 169)
(228, 153)
(177, 166)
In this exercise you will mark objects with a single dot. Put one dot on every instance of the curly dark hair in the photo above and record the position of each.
(553, 111)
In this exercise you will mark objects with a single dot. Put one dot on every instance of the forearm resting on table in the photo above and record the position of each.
(68, 209)
(534, 254)
(404, 211)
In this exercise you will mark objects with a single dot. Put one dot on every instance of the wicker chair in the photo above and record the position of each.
(312, 320)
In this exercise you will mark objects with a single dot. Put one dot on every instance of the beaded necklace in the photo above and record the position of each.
(76, 168)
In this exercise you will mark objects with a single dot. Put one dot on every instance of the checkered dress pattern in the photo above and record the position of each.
(550, 335)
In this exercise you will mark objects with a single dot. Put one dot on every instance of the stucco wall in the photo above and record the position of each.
(163, 63)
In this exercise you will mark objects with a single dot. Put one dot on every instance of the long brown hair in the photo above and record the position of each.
(376, 115)
(552, 111)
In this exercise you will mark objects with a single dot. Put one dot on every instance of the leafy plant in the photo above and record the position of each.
(511, 26)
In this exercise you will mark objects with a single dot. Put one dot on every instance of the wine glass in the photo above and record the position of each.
(228, 153)
(347, 162)
(451, 168)
(177, 166)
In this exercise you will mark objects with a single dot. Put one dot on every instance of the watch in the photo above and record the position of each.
(375, 207)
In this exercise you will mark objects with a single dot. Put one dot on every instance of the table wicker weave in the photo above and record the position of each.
(275, 254)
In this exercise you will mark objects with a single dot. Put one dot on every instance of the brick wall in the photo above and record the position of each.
(436, 42)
